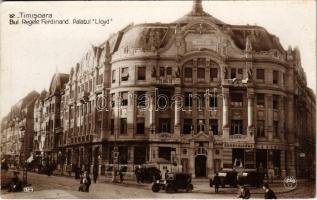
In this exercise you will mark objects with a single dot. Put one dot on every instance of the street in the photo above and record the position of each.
(66, 187)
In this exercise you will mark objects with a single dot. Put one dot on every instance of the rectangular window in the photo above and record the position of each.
(260, 128)
(213, 123)
(275, 129)
(141, 98)
(213, 102)
(141, 73)
(188, 72)
(275, 102)
(260, 101)
(187, 126)
(236, 127)
(275, 77)
(169, 71)
(188, 99)
(260, 74)
(113, 101)
(140, 126)
(124, 74)
(164, 98)
(236, 100)
(124, 98)
(213, 74)
(113, 74)
(164, 125)
(112, 126)
(165, 152)
(201, 73)
(162, 71)
(200, 125)
(233, 73)
(123, 126)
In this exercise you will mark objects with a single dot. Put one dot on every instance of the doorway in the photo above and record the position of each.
(200, 166)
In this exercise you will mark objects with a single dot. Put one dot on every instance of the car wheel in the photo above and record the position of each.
(189, 188)
(155, 188)
(169, 188)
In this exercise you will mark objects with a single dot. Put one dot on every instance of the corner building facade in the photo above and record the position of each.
(242, 95)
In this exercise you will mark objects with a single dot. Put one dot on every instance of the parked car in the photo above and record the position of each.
(252, 178)
(174, 182)
(151, 174)
(226, 178)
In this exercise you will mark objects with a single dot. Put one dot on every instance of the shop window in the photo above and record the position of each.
(188, 99)
(233, 73)
(165, 152)
(124, 98)
(141, 73)
(201, 73)
(187, 126)
(164, 125)
(260, 74)
(236, 127)
(124, 74)
(275, 77)
(213, 74)
(260, 131)
(188, 72)
(139, 155)
(260, 101)
(213, 123)
(123, 126)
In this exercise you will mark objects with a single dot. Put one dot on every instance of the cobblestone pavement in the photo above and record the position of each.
(66, 187)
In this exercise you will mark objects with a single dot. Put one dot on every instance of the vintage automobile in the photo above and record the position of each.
(174, 182)
(227, 177)
(252, 178)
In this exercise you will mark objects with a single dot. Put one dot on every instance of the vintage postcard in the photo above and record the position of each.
(158, 99)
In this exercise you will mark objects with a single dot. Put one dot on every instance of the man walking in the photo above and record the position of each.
(216, 182)
(95, 173)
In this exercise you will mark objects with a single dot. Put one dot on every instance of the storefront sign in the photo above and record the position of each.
(238, 145)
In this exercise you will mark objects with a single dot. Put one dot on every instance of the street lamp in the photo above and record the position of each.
(115, 152)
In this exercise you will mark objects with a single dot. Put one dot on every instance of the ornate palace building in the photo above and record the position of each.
(196, 93)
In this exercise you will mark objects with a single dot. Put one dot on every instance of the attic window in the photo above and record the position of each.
(124, 74)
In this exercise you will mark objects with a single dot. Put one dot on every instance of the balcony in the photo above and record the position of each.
(164, 136)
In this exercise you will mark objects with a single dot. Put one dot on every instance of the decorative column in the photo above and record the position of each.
(250, 97)
(291, 161)
(210, 160)
(152, 111)
(192, 159)
(225, 112)
(282, 118)
(130, 113)
(177, 111)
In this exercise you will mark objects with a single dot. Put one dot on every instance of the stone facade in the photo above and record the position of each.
(196, 95)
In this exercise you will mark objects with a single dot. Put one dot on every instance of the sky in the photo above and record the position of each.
(30, 55)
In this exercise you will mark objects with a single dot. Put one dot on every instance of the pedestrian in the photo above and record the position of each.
(16, 184)
(137, 173)
(85, 182)
(268, 193)
(243, 192)
(77, 171)
(142, 174)
(121, 175)
(95, 173)
(166, 174)
(216, 182)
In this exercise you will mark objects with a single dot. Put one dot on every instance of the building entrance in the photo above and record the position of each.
(200, 166)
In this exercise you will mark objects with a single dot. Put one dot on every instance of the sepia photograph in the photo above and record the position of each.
(188, 99)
